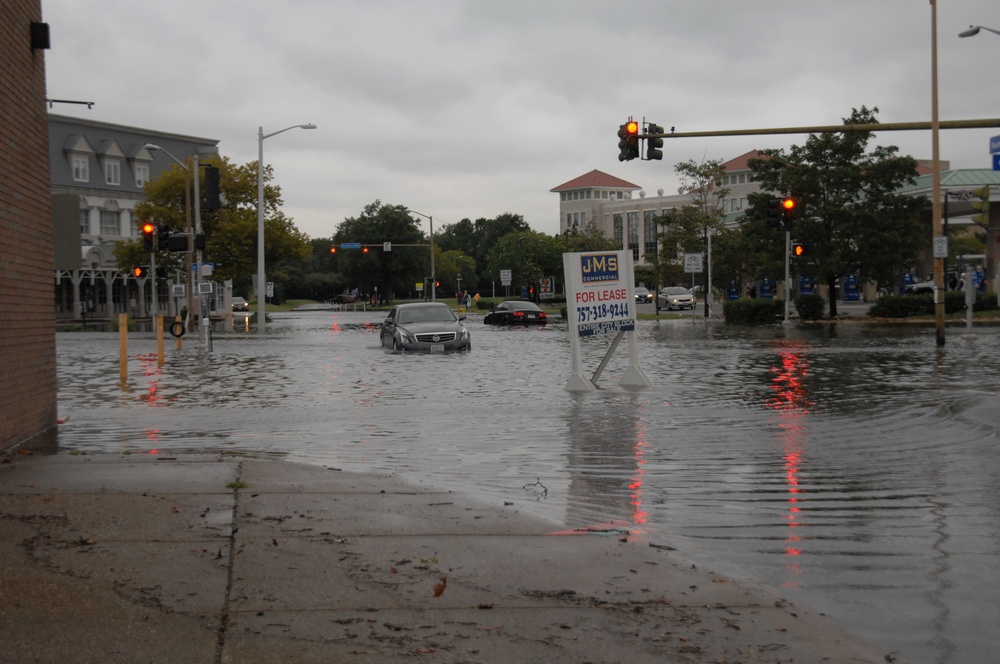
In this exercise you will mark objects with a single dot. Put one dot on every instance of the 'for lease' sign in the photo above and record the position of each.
(599, 288)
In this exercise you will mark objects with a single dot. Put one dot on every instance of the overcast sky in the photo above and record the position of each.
(469, 109)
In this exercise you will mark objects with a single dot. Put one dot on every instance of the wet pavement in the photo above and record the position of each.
(852, 467)
(203, 559)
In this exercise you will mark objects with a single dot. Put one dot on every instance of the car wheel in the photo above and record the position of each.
(396, 346)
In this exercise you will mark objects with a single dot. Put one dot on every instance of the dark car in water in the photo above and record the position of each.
(516, 312)
(430, 326)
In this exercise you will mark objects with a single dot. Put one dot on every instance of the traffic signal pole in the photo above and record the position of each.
(788, 274)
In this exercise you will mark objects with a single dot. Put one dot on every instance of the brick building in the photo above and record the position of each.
(27, 318)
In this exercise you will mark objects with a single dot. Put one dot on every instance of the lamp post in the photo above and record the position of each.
(936, 183)
(261, 284)
(187, 216)
(433, 275)
(974, 30)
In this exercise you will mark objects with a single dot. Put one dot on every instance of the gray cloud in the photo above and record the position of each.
(474, 108)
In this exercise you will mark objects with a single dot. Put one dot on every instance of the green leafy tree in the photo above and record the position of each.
(230, 232)
(477, 239)
(686, 229)
(390, 273)
(848, 211)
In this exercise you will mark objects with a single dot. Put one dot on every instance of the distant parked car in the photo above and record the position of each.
(919, 287)
(675, 297)
(239, 304)
(430, 326)
(642, 295)
(344, 298)
(516, 312)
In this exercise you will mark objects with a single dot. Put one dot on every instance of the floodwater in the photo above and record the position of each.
(854, 467)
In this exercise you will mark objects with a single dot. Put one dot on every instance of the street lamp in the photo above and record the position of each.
(261, 284)
(433, 275)
(936, 225)
(974, 30)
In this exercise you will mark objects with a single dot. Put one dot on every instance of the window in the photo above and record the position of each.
(110, 223)
(85, 222)
(81, 169)
(619, 229)
(112, 172)
(633, 234)
(141, 174)
(649, 232)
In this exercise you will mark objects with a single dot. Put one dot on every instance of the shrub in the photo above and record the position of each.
(810, 307)
(753, 312)
(904, 306)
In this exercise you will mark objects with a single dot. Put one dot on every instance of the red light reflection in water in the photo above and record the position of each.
(151, 370)
(790, 400)
(639, 515)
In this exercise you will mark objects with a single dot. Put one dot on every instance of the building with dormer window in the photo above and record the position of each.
(98, 172)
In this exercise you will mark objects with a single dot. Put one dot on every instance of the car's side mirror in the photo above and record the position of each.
(461, 317)
(388, 321)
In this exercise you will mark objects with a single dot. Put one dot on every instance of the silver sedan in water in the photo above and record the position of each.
(430, 326)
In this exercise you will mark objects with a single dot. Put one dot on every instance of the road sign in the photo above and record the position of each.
(994, 145)
(996, 162)
(693, 263)
(387, 246)
(940, 246)
(350, 245)
(270, 289)
(505, 277)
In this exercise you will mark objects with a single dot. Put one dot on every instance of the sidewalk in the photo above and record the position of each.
(203, 559)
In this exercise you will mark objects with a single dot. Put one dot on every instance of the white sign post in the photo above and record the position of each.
(600, 299)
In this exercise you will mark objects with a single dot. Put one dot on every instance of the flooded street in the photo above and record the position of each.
(855, 467)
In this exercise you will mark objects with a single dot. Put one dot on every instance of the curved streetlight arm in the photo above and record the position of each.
(974, 30)
(302, 126)
(150, 146)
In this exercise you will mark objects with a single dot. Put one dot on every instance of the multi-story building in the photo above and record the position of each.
(625, 212)
(98, 171)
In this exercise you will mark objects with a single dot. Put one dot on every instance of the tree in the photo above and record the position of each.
(388, 272)
(848, 211)
(230, 232)
(477, 239)
(686, 229)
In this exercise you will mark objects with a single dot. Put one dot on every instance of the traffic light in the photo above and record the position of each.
(774, 212)
(148, 234)
(162, 235)
(333, 249)
(982, 206)
(653, 145)
(788, 206)
(628, 141)
(364, 250)
(213, 193)
(140, 271)
(799, 249)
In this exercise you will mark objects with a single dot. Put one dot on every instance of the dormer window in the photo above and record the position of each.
(113, 172)
(81, 168)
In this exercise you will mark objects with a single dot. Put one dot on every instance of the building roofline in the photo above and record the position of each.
(96, 124)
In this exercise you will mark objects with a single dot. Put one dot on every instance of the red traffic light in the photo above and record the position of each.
(799, 249)
(333, 250)
(148, 228)
(138, 272)
(632, 127)
(364, 250)
(788, 204)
